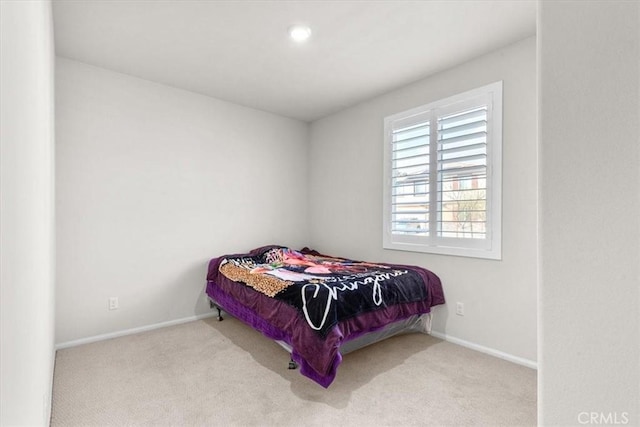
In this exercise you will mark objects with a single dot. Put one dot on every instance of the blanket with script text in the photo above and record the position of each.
(326, 290)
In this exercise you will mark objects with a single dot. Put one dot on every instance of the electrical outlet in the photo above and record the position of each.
(460, 309)
(113, 303)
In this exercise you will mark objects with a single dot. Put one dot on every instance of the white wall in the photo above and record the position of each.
(152, 182)
(589, 210)
(26, 218)
(345, 202)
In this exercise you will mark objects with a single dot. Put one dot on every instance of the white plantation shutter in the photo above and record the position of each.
(443, 176)
(410, 177)
(462, 174)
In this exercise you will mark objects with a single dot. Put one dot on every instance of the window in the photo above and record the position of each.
(442, 164)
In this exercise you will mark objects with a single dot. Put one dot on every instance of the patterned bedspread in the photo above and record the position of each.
(295, 297)
(326, 290)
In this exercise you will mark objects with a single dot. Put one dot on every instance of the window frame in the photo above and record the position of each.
(487, 248)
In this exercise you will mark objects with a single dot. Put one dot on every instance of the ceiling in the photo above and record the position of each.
(239, 51)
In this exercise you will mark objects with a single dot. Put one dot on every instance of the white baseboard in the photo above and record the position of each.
(132, 331)
(490, 351)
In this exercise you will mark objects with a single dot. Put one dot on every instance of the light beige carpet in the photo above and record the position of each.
(224, 373)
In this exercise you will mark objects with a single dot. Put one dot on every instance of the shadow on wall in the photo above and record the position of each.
(440, 316)
(202, 302)
(188, 289)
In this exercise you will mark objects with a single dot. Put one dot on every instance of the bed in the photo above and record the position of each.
(320, 307)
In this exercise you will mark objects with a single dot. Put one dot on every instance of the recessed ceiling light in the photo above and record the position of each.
(300, 33)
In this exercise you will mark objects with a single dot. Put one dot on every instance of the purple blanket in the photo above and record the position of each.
(318, 357)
